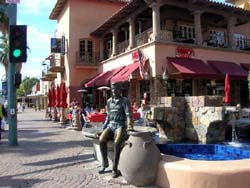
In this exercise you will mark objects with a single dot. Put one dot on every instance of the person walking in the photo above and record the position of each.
(3, 114)
(118, 122)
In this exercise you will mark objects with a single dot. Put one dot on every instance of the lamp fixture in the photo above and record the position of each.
(146, 76)
(130, 77)
(165, 75)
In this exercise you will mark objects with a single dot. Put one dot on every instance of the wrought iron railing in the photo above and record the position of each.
(177, 36)
(85, 59)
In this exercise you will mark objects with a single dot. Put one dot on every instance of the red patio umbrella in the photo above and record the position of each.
(63, 95)
(227, 90)
(49, 98)
(58, 100)
(53, 96)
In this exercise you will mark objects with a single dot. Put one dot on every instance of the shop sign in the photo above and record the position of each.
(12, 1)
(184, 52)
(55, 45)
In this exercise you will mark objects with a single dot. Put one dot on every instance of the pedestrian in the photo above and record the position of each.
(3, 114)
(23, 107)
(118, 122)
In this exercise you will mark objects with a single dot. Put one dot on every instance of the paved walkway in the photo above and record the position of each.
(50, 156)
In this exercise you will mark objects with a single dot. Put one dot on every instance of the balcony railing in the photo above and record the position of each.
(122, 46)
(57, 65)
(177, 37)
(85, 59)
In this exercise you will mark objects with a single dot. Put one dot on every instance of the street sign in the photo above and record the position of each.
(12, 1)
(4, 89)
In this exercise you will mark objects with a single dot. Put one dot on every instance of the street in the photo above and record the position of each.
(50, 156)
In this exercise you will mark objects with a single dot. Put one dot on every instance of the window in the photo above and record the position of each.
(109, 47)
(240, 40)
(216, 38)
(86, 49)
(187, 32)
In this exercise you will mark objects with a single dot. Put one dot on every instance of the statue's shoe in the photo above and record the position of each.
(116, 173)
(102, 170)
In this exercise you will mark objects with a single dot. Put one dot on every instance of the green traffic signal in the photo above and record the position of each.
(17, 53)
(17, 43)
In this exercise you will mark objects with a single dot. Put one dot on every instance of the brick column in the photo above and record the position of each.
(101, 50)
(131, 33)
(230, 32)
(156, 20)
(197, 25)
(114, 42)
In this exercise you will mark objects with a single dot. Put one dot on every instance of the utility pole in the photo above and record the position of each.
(12, 106)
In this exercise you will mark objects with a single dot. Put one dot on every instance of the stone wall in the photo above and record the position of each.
(198, 118)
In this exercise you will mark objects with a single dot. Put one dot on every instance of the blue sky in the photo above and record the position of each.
(35, 14)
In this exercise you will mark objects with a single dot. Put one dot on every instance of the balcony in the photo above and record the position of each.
(176, 36)
(48, 76)
(57, 65)
(86, 59)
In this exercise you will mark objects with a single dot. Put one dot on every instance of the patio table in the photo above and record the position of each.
(100, 117)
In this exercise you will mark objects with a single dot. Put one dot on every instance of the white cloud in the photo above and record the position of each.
(39, 44)
(33, 67)
(36, 7)
(37, 40)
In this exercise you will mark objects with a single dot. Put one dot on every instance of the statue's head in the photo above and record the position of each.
(116, 89)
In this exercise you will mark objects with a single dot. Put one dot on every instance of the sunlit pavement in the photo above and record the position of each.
(50, 156)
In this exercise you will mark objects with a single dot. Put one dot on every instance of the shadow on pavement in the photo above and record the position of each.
(79, 159)
(32, 148)
(9, 181)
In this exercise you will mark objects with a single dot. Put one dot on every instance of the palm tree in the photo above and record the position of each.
(4, 44)
(4, 52)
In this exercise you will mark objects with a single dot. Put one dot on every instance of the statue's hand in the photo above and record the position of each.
(98, 134)
(130, 128)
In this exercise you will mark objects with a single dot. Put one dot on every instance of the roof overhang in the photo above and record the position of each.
(210, 6)
(61, 3)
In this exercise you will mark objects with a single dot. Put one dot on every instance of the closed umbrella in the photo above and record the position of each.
(227, 90)
(63, 95)
(49, 98)
(53, 96)
(58, 100)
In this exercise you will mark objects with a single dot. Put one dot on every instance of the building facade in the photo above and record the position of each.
(154, 47)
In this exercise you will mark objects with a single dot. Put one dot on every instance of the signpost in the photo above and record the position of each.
(12, 115)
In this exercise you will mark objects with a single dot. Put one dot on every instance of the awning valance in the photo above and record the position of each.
(91, 83)
(189, 68)
(123, 75)
(245, 66)
(103, 78)
(232, 69)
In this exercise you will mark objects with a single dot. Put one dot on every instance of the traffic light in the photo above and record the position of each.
(18, 43)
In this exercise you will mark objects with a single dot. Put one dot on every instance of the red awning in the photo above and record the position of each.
(123, 75)
(245, 66)
(91, 83)
(105, 79)
(232, 69)
(189, 68)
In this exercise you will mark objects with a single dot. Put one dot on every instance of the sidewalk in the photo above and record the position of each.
(49, 156)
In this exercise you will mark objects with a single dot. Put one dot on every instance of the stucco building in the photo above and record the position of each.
(158, 47)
